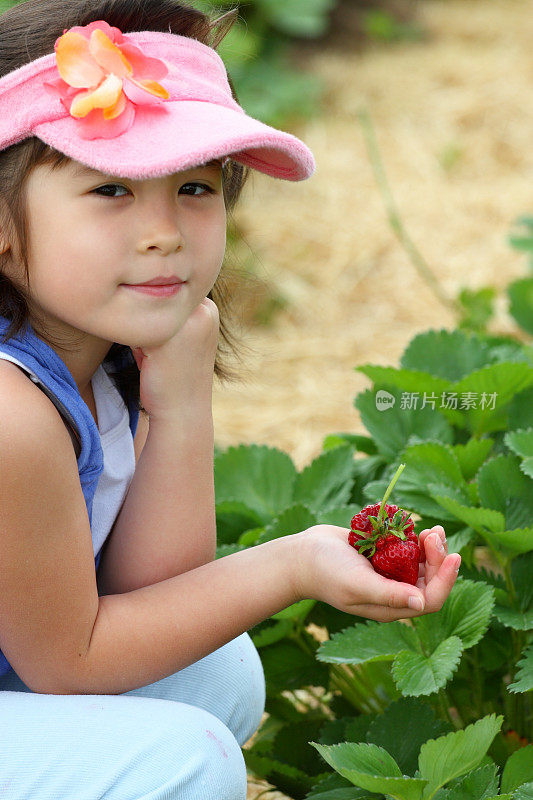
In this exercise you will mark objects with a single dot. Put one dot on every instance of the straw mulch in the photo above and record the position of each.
(453, 116)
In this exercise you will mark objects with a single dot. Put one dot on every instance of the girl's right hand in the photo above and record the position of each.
(330, 569)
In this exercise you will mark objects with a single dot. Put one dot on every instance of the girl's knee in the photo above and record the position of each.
(246, 684)
(195, 755)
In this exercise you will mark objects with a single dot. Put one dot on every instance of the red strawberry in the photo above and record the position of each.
(390, 543)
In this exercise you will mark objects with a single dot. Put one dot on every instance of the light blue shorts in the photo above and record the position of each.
(177, 739)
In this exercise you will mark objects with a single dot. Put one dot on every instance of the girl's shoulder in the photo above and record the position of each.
(23, 404)
(20, 395)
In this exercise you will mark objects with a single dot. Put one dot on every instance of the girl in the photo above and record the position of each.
(123, 148)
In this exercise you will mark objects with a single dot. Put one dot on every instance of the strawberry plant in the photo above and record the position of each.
(439, 706)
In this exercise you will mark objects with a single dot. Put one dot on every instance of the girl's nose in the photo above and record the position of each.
(163, 234)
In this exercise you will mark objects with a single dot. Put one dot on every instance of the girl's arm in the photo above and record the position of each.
(166, 525)
(142, 636)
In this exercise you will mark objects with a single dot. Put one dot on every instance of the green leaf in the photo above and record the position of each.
(370, 641)
(307, 19)
(521, 308)
(402, 741)
(448, 354)
(520, 410)
(338, 516)
(457, 541)
(433, 462)
(372, 768)
(504, 487)
(521, 441)
(524, 676)
(286, 666)
(327, 481)
(392, 429)
(286, 777)
(518, 769)
(513, 542)
(416, 674)
(524, 792)
(334, 787)
(476, 785)
(296, 611)
(482, 520)
(233, 518)
(472, 455)
(466, 613)
(518, 620)
(363, 444)
(492, 388)
(521, 572)
(408, 380)
(269, 633)
(292, 520)
(458, 752)
(260, 476)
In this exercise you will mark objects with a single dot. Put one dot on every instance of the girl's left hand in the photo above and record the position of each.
(177, 376)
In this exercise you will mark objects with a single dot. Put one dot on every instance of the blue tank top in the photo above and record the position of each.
(61, 388)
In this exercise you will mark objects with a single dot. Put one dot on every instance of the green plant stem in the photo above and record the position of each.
(395, 220)
(388, 490)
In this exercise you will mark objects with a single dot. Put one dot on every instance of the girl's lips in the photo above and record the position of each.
(156, 291)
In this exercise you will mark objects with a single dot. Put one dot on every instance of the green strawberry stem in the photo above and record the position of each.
(388, 490)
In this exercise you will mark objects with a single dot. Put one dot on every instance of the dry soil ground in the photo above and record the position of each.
(453, 116)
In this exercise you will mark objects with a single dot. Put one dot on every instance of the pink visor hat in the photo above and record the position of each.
(140, 105)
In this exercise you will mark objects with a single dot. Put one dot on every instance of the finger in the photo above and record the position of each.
(441, 584)
(427, 532)
(435, 554)
(391, 594)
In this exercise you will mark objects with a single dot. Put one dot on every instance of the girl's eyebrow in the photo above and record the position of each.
(82, 169)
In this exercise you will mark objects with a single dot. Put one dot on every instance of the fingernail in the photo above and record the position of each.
(438, 542)
(415, 603)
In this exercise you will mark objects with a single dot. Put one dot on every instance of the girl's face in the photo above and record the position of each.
(90, 233)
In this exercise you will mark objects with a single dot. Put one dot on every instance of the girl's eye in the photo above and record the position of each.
(106, 191)
(202, 186)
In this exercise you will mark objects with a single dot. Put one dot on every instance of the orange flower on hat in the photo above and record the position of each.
(103, 78)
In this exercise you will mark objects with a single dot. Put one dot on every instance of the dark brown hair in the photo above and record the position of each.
(29, 31)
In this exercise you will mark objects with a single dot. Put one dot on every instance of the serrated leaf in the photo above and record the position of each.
(524, 792)
(518, 769)
(416, 674)
(403, 742)
(286, 666)
(392, 429)
(482, 520)
(260, 476)
(476, 785)
(503, 486)
(521, 572)
(518, 620)
(521, 442)
(327, 481)
(407, 380)
(524, 676)
(233, 518)
(372, 768)
(457, 753)
(335, 787)
(447, 354)
(369, 641)
(284, 776)
(341, 516)
(456, 541)
(269, 634)
(467, 612)
(291, 520)
(493, 387)
(472, 455)
(513, 542)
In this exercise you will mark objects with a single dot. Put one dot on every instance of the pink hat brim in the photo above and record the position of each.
(178, 135)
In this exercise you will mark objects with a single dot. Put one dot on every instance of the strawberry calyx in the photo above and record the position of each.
(383, 525)
(387, 526)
